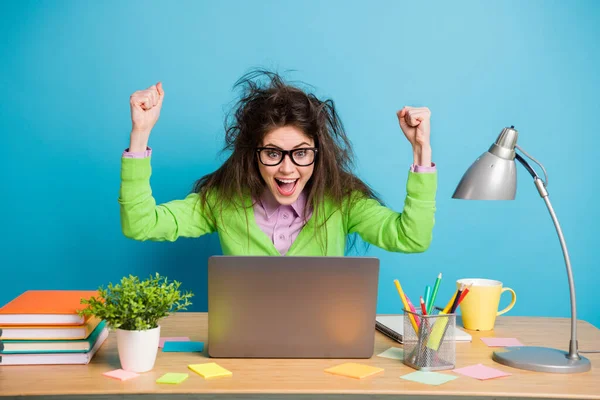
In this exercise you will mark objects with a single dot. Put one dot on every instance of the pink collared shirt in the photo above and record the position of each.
(280, 223)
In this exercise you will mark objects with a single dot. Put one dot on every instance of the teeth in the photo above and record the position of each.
(286, 180)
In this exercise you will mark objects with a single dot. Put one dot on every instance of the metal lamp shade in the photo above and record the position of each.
(489, 178)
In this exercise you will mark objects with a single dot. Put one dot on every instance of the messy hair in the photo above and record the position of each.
(267, 102)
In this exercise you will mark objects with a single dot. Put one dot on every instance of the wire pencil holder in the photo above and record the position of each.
(432, 346)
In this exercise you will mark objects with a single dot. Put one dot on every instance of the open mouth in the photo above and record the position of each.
(286, 187)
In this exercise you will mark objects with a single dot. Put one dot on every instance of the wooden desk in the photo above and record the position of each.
(305, 379)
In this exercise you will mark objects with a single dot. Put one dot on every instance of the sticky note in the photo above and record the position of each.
(210, 370)
(162, 340)
(121, 374)
(183, 346)
(394, 353)
(429, 378)
(172, 377)
(480, 371)
(354, 370)
(501, 342)
(437, 332)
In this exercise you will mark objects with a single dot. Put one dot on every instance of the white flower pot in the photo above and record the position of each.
(137, 349)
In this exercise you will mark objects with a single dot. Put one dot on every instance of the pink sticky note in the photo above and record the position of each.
(162, 340)
(501, 342)
(121, 374)
(482, 372)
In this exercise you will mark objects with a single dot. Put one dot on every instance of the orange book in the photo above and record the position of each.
(46, 307)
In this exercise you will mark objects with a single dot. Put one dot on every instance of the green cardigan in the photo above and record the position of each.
(239, 234)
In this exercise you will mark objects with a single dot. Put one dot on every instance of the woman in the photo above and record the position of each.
(287, 188)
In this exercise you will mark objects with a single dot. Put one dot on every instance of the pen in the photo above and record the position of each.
(436, 286)
(406, 306)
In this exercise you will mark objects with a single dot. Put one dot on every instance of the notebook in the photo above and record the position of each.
(54, 358)
(52, 346)
(49, 332)
(393, 327)
(46, 307)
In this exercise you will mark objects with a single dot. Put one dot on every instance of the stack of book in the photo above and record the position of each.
(43, 327)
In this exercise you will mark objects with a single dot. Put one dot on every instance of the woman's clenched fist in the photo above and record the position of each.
(145, 108)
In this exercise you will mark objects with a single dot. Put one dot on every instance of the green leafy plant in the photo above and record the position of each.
(137, 305)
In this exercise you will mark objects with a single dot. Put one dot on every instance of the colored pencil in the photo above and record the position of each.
(427, 296)
(406, 306)
(449, 305)
(436, 286)
(455, 303)
(462, 295)
(413, 309)
(423, 308)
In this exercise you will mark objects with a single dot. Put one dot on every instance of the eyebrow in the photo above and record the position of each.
(296, 146)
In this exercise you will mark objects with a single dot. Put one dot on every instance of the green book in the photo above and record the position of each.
(52, 346)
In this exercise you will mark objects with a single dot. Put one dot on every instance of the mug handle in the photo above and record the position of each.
(512, 303)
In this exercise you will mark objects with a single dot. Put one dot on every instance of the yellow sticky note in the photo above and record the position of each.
(209, 370)
(172, 377)
(354, 370)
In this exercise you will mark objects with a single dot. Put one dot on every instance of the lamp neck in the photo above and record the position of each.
(526, 165)
(541, 187)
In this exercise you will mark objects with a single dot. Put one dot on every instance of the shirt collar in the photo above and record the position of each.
(271, 205)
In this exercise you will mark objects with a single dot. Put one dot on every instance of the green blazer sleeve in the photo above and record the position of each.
(409, 231)
(142, 219)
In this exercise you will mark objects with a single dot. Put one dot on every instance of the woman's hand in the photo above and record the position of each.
(145, 108)
(415, 123)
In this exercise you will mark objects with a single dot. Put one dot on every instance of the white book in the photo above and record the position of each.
(54, 358)
(393, 327)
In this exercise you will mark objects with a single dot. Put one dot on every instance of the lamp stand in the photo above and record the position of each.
(545, 359)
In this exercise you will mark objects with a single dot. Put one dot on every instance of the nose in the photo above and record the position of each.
(286, 166)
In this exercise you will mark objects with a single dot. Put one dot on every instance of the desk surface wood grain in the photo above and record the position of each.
(305, 378)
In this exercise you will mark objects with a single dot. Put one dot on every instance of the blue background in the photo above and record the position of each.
(68, 68)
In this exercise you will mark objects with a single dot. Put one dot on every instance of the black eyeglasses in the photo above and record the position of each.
(302, 157)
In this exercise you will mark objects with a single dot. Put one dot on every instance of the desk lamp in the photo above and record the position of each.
(493, 176)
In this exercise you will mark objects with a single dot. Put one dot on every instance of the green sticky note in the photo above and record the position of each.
(428, 378)
(172, 377)
(394, 353)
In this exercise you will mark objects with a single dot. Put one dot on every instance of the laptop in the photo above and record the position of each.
(292, 306)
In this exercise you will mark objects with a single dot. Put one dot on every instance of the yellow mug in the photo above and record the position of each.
(479, 308)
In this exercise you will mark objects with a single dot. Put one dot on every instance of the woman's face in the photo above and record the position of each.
(286, 180)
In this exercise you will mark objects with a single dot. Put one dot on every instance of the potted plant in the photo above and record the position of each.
(134, 308)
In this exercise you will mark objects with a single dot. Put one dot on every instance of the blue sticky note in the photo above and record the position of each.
(187, 347)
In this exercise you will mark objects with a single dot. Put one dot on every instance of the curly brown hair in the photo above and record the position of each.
(267, 102)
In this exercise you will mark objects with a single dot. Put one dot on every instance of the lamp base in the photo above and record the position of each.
(541, 359)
